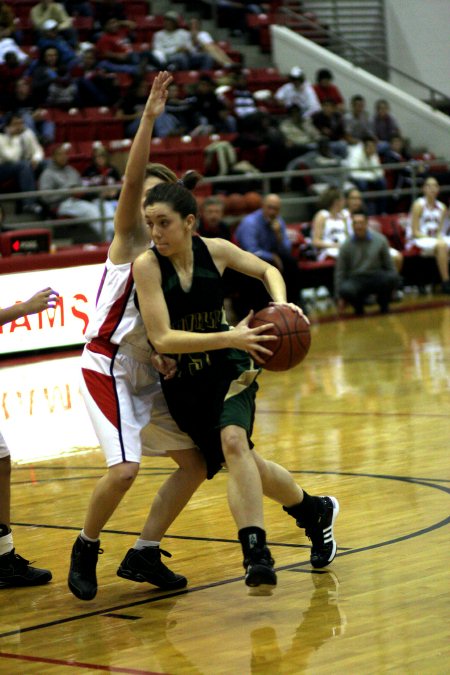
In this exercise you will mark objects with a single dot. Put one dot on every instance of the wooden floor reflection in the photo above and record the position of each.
(366, 418)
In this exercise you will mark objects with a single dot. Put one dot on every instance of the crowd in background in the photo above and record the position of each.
(295, 124)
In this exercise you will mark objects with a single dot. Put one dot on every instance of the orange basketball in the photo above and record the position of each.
(292, 331)
(235, 204)
(253, 201)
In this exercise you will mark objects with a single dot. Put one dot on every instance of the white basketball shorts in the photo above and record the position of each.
(121, 394)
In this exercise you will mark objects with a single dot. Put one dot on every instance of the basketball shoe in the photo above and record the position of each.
(16, 571)
(83, 562)
(323, 544)
(145, 564)
(260, 576)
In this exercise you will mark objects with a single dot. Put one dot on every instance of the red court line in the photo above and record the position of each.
(78, 664)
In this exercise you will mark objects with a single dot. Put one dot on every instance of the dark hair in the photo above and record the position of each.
(324, 74)
(177, 195)
(213, 200)
(357, 97)
(160, 171)
(352, 189)
(329, 196)
(361, 211)
(368, 139)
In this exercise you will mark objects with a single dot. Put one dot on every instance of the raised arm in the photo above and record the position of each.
(128, 222)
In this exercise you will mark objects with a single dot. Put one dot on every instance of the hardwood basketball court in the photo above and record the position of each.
(364, 418)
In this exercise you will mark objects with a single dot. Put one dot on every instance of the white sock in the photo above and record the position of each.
(84, 536)
(143, 543)
(6, 543)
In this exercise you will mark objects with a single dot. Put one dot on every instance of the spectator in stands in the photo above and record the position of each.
(321, 158)
(62, 91)
(298, 91)
(7, 22)
(364, 267)
(356, 121)
(233, 14)
(52, 14)
(299, 132)
(174, 49)
(51, 38)
(203, 43)
(329, 226)
(384, 125)
(367, 173)
(426, 229)
(116, 54)
(45, 72)
(263, 232)
(35, 118)
(78, 7)
(327, 91)
(415, 173)
(238, 97)
(21, 157)
(11, 70)
(353, 203)
(210, 110)
(104, 10)
(329, 122)
(59, 175)
(177, 119)
(7, 47)
(211, 222)
(95, 86)
(101, 173)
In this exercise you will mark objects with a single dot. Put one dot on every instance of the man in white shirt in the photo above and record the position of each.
(173, 47)
(298, 91)
(21, 155)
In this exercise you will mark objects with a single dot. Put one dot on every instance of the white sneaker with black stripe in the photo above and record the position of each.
(323, 544)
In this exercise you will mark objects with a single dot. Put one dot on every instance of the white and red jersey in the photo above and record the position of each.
(430, 219)
(116, 320)
(335, 227)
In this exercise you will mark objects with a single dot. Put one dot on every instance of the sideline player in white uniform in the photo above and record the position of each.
(122, 389)
(15, 570)
(426, 229)
(329, 227)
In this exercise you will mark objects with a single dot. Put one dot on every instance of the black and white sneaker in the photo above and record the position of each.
(260, 576)
(15, 571)
(145, 564)
(323, 544)
(83, 563)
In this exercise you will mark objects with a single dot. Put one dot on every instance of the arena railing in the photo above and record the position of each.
(264, 180)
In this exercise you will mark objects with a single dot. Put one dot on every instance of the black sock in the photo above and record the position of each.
(251, 538)
(4, 530)
(307, 512)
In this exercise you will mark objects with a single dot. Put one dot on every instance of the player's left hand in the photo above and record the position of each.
(294, 307)
(164, 365)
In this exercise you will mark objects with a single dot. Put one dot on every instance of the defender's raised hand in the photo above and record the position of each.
(158, 95)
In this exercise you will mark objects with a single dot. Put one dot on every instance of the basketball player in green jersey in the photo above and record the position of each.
(212, 397)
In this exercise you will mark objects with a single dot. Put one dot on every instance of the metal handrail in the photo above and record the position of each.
(372, 57)
(265, 179)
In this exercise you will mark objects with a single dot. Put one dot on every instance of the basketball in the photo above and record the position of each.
(294, 336)
(253, 201)
(235, 204)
